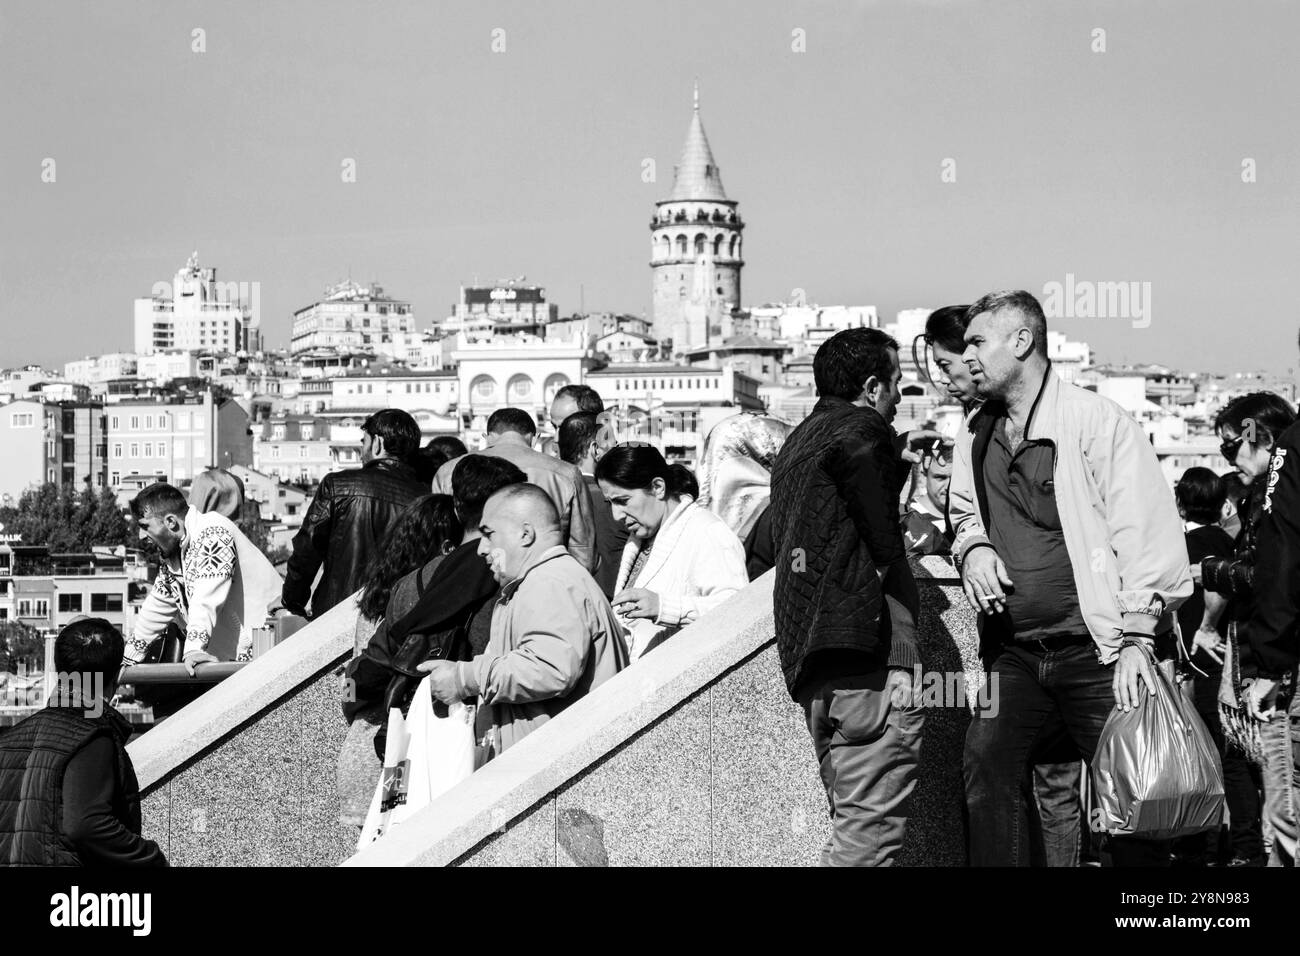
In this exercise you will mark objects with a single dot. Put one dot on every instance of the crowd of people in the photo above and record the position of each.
(521, 576)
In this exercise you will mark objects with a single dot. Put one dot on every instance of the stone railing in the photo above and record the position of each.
(245, 775)
(695, 755)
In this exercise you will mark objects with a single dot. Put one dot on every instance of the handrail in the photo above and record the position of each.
(595, 726)
(139, 675)
(581, 734)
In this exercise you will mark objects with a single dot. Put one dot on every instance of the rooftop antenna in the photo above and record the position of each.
(697, 94)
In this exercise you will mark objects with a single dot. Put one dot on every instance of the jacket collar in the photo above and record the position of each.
(1042, 414)
(534, 561)
(117, 725)
(833, 403)
(665, 540)
(508, 438)
(388, 464)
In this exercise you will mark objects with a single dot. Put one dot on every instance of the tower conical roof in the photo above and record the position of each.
(697, 175)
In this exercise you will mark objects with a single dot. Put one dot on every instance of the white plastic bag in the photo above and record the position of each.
(425, 756)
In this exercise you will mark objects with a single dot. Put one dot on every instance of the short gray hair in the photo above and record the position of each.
(1020, 301)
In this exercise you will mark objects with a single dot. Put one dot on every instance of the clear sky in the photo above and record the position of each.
(1117, 166)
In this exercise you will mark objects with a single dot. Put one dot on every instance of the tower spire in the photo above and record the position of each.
(697, 94)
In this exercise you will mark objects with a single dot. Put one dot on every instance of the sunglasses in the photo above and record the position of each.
(1230, 447)
(940, 452)
(634, 444)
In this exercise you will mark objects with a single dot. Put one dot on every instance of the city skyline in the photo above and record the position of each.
(1060, 171)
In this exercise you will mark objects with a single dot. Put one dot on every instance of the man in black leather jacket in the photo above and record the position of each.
(352, 513)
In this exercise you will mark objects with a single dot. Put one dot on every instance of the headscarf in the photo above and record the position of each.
(736, 468)
(218, 490)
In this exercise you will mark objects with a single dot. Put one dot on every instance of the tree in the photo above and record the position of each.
(19, 642)
(65, 521)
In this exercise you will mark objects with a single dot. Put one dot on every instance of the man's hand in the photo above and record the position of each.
(983, 577)
(1260, 696)
(194, 658)
(1208, 640)
(443, 680)
(915, 440)
(1196, 572)
(902, 689)
(636, 602)
(1131, 670)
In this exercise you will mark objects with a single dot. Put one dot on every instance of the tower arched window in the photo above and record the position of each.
(700, 239)
(735, 247)
(663, 247)
(718, 240)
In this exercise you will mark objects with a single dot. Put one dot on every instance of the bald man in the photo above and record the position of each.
(554, 635)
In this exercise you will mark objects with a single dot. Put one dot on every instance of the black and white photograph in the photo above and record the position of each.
(707, 433)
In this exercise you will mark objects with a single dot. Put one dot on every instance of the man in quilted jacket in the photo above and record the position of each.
(845, 600)
(68, 792)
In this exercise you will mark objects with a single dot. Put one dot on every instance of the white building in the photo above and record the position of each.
(1068, 358)
(627, 346)
(673, 406)
(506, 307)
(19, 382)
(521, 371)
(98, 369)
(805, 327)
(358, 318)
(165, 365)
(196, 312)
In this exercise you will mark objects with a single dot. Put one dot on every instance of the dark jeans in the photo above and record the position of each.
(1056, 792)
(1042, 693)
(868, 751)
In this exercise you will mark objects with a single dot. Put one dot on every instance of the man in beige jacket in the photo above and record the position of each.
(1069, 545)
(554, 635)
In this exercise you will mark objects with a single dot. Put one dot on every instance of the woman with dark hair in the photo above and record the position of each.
(944, 339)
(427, 529)
(1200, 495)
(1248, 427)
(686, 479)
(680, 560)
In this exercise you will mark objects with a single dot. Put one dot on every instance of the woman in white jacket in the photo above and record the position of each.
(680, 560)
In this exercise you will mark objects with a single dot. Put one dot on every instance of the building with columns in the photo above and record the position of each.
(695, 248)
(522, 371)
